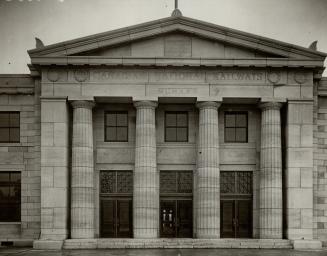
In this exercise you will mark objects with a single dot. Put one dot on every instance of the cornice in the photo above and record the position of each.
(207, 62)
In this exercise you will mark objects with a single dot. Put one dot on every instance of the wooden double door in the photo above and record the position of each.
(236, 218)
(116, 217)
(176, 218)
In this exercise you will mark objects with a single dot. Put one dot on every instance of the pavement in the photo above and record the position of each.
(160, 252)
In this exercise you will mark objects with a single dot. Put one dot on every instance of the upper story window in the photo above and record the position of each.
(236, 127)
(9, 127)
(176, 126)
(116, 126)
(10, 196)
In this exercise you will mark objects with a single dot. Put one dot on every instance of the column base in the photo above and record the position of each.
(48, 244)
(307, 244)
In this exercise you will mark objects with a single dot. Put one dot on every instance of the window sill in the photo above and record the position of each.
(13, 144)
(10, 223)
(176, 144)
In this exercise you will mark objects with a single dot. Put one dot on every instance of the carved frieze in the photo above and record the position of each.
(170, 82)
(300, 77)
(81, 75)
(178, 76)
(274, 77)
(53, 75)
(118, 75)
(237, 76)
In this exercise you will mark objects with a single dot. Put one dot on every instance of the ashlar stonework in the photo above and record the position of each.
(175, 96)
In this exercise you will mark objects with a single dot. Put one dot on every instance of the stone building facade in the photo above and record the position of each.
(174, 132)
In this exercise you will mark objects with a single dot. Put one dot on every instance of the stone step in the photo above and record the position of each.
(104, 243)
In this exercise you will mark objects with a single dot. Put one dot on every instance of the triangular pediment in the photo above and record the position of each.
(177, 37)
(178, 45)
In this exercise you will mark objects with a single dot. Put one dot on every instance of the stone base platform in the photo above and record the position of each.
(48, 244)
(176, 243)
(307, 245)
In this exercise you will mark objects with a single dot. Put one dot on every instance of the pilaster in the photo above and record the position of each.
(54, 168)
(299, 171)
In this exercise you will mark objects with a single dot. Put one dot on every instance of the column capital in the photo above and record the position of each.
(208, 104)
(83, 104)
(145, 104)
(270, 105)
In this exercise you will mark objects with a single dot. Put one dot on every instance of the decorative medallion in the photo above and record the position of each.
(81, 75)
(299, 77)
(53, 75)
(274, 77)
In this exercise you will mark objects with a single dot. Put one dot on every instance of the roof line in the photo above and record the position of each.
(127, 31)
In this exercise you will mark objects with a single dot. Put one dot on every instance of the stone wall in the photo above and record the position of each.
(320, 161)
(21, 93)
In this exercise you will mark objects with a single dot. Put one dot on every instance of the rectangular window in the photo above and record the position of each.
(9, 127)
(116, 126)
(176, 126)
(10, 183)
(236, 127)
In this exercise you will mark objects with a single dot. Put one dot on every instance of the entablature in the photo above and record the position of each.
(235, 82)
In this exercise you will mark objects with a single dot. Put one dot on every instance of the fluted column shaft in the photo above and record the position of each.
(208, 183)
(82, 182)
(271, 172)
(146, 176)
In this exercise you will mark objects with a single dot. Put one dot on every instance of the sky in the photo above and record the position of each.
(298, 22)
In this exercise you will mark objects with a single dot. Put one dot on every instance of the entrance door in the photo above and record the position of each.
(176, 218)
(236, 218)
(116, 218)
(184, 218)
(108, 218)
(168, 218)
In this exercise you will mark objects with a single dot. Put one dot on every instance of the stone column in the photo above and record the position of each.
(271, 172)
(146, 176)
(82, 181)
(208, 183)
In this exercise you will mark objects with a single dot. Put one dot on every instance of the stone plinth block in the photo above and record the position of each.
(307, 244)
(82, 184)
(271, 172)
(208, 183)
(48, 244)
(146, 176)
